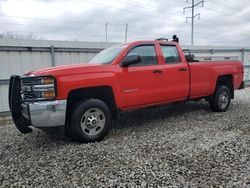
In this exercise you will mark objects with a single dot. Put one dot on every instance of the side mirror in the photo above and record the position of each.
(189, 58)
(130, 60)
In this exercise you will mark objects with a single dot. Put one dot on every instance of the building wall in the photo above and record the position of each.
(21, 56)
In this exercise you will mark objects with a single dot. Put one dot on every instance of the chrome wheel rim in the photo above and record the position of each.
(93, 121)
(223, 99)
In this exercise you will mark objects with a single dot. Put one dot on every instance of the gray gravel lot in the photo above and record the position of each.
(184, 145)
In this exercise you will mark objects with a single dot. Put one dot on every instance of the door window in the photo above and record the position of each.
(147, 54)
(170, 54)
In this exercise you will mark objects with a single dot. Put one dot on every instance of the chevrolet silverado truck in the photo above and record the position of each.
(85, 98)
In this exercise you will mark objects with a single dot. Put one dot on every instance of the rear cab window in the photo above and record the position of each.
(170, 54)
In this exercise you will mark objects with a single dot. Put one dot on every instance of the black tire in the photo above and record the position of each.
(220, 101)
(82, 125)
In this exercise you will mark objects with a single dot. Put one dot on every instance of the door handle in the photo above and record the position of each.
(183, 69)
(157, 71)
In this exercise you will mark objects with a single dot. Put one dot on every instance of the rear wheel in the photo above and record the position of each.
(90, 121)
(220, 101)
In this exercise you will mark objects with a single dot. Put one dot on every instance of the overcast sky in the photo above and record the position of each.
(221, 22)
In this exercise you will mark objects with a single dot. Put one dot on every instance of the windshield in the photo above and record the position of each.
(107, 56)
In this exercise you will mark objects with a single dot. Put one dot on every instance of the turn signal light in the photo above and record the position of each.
(48, 94)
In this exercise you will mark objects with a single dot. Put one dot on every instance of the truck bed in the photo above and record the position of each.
(203, 75)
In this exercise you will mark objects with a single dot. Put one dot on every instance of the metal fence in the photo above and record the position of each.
(208, 53)
(222, 54)
(20, 56)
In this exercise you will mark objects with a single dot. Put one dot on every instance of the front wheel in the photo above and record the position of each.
(90, 121)
(220, 101)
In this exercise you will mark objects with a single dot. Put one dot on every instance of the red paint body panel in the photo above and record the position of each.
(138, 86)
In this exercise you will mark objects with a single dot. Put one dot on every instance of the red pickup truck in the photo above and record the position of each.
(85, 98)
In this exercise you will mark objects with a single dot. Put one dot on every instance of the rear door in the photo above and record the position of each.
(176, 73)
(141, 84)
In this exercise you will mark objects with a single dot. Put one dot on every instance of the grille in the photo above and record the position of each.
(31, 81)
(28, 95)
(35, 88)
(26, 88)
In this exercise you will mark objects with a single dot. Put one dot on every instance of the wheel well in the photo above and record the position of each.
(228, 81)
(104, 93)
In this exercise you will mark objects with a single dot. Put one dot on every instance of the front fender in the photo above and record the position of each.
(67, 83)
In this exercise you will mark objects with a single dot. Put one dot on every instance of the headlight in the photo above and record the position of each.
(38, 88)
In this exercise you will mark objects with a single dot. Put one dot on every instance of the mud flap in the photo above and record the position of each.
(15, 105)
(242, 85)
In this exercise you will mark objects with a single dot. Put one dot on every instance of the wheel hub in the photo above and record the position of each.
(223, 99)
(92, 121)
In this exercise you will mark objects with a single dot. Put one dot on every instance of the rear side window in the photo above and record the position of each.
(170, 54)
(147, 53)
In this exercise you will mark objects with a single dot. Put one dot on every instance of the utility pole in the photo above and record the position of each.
(192, 17)
(106, 32)
(126, 33)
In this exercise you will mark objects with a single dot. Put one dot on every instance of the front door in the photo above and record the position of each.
(141, 84)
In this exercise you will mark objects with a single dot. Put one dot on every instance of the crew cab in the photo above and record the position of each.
(85, 98)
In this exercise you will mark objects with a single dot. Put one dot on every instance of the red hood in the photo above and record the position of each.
(69, 69)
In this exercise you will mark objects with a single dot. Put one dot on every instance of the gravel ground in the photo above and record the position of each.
(184, 145)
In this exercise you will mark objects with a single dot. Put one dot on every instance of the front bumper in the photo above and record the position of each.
(45, 113)
(40, 114)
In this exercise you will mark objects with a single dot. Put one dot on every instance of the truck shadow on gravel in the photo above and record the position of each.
(132, 119)
(137, 118)
(160, 113)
